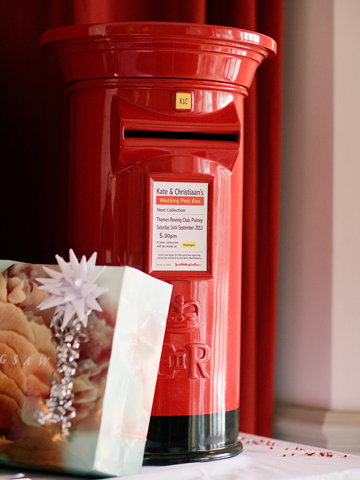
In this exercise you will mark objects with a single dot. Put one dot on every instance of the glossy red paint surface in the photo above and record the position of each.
(124, 136)
(158, 50)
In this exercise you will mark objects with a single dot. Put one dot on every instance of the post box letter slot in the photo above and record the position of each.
(172, 135)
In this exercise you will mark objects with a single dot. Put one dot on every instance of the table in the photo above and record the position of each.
(262, 459)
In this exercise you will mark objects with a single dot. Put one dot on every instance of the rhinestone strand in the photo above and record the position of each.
(60, 404)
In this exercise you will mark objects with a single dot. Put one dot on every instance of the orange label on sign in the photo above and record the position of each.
(160, 200)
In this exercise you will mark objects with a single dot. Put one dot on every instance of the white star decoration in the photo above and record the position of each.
(73, 290)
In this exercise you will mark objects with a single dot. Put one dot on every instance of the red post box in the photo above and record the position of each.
(156, 147)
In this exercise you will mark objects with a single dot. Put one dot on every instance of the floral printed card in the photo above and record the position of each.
(114, 383)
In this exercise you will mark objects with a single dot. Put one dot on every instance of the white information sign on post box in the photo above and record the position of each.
(179, 226)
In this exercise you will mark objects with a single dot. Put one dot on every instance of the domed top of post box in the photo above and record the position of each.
(158, 50)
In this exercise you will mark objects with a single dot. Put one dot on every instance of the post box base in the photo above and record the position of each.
(173, 458)
(195, 438)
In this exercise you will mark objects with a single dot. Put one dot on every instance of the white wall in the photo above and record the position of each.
(318, 352)
(304, 325)
(345, 367)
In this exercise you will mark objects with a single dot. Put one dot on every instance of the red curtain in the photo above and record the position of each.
(33, 121)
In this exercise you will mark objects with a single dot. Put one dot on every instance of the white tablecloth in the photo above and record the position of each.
(262, 459)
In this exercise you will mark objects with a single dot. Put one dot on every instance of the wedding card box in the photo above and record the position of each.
(115, 377)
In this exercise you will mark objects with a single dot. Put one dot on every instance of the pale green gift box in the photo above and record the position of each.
(114, 385)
